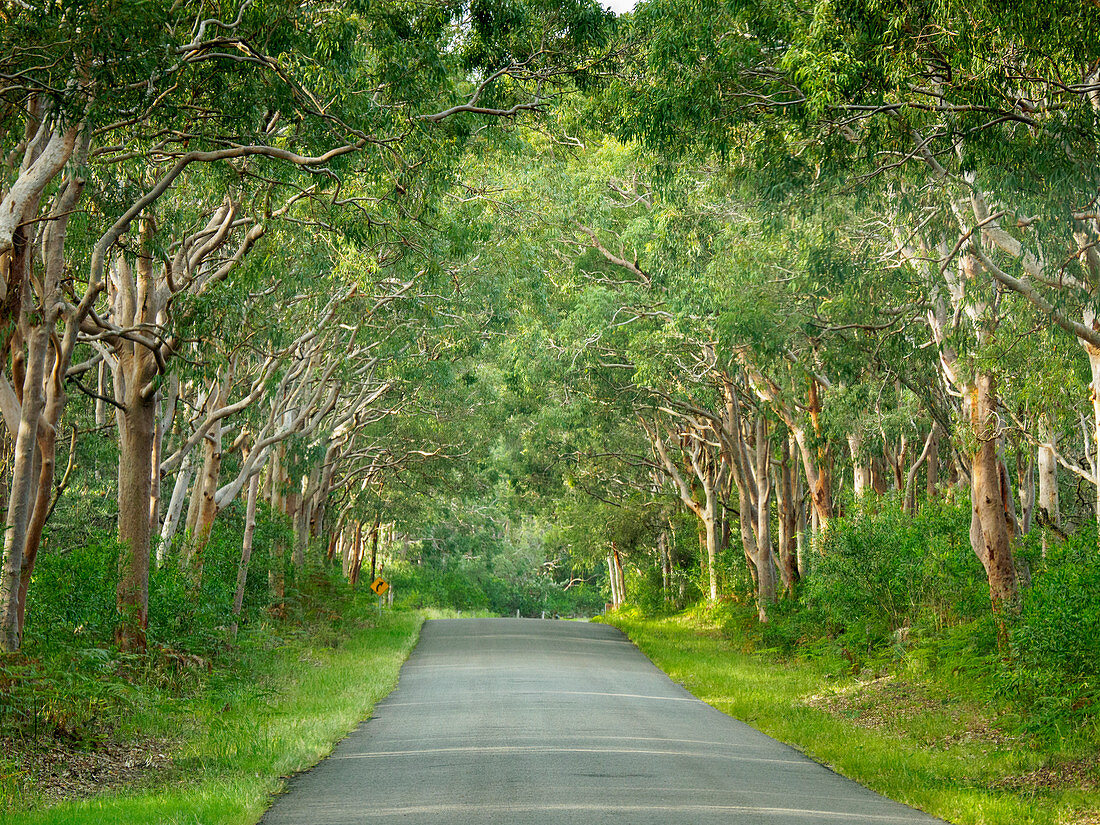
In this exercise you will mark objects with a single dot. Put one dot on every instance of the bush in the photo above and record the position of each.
(70, 683)
(72, 592)
(467, 585)
(883, 570)
(1055, 668)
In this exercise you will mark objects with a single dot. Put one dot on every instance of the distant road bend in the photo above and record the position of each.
(527, 722)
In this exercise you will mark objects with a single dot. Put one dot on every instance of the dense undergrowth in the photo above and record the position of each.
(472, 587)
(478, 569)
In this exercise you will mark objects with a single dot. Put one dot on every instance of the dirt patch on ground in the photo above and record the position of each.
(56, 773)
(891, 705)
(1081, 818)
(1080, 773)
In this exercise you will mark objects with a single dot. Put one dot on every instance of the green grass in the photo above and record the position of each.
(915, 760)
(280, 713)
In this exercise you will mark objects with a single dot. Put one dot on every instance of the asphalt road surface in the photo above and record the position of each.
(526, 722)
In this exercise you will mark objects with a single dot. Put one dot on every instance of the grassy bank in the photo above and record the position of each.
(931, 744)
(282, 705)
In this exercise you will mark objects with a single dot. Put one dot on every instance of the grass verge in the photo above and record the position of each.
(278, 712)
(919, 743)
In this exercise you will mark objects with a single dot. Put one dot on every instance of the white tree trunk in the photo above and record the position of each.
(246, 550)
(22, 492)
(1094, 366)
(175, 508)
(1050, 512)
(861, 468)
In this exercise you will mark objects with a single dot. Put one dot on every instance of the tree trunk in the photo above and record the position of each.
(910, 497)
(990, 536)
(342, 544)
(932, 477)
(878, 476)
(206, 485)
(136, 430)
(861, 470)
(1094, 366)
(662, 560)
(25, 477)
(764, 559)
(612, 580)
(191, 523)
(300, 522)
(1050, 512)
(175, 508)
(356, 555)
(1025, 485)
(787, 510)
(101, 391)
(710, 528)
(817, 477)
(619, 578)
(246, 550)
(706, 513)
(375, 534)
(154, 471)
(330, 551)
(47, 462)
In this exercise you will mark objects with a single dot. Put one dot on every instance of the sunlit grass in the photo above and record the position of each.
(239, 742)
(954, 781)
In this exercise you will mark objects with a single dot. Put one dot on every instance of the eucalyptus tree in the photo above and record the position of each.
(130, 103)
(951, 119)
(102, 83)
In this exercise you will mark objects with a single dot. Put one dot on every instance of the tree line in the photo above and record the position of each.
(811, 256)
(214, 231)
(730, 269)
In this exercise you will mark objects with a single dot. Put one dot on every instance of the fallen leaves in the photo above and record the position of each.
(57, 772)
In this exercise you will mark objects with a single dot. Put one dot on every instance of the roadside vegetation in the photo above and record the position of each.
(783, 314)
(202, 730)
(887, 669)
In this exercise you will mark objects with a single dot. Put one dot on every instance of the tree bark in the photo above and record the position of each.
(206, 486)
(787, 511)
(137, 430)
(175, 508)
(25, 477)
(1025, 485)
(989, 533)
(246, 550)
(707, 513)
(878, 477)
(1050, 512)
(620, 578)
(375, 535)
(300, 522)
(911, 476)
(1094, 367)
(861, 470)
(932, 476)
(765, 557)
(357, 555)
(47, 462)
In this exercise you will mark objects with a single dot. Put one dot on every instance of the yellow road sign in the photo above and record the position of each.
(380, 586)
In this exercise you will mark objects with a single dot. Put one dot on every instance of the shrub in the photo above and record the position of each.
(883, 569)
(1055, 668)
(470, 586)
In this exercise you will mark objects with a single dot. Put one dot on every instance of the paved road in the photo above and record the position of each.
(526, 722)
